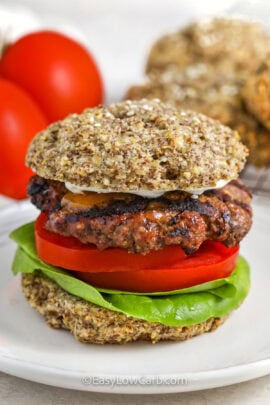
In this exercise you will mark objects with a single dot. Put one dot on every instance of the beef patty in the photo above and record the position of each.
(140, 225)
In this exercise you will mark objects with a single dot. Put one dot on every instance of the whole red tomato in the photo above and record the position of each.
(59, 73)
(20, 119)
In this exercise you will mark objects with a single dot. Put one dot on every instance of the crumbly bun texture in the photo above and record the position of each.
(137, 145)
(240, 41)
(199, 87)
(92, 324)
(256, 93)
(218, 67)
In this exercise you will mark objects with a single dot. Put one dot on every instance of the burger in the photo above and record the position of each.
(141, 216)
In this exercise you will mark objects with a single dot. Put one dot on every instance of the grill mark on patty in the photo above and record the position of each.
(241, 186)
(46, 195)
(226, 217)
(138, 205)
(180, 231)
(228, 198)
(43, 192)
(222, 215)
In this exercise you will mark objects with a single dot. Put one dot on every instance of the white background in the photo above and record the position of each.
(118, 32)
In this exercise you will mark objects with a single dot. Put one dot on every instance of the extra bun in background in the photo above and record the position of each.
(239, 42)
(217, 67)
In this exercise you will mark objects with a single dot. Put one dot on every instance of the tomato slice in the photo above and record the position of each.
(163, 270)
(211, 262)
(71, 254)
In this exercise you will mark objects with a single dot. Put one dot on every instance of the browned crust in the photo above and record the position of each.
(92, 324)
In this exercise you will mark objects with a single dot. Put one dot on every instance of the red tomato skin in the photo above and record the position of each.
(58, 72)
(161, 280)
(20, 119)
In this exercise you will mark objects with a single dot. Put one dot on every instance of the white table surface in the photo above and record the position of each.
(15, 391)
(119, 34)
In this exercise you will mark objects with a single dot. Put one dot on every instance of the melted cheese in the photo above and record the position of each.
(89, 199)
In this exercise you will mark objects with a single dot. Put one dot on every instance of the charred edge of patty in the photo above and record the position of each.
(222, 215)
(143, 231)
(137, 205)
(46, 195)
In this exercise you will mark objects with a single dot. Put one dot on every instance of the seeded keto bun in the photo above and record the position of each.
(137, 145)
(92, 324)
(199, 87)
(256, 137)
(242, 43)
(256, 94)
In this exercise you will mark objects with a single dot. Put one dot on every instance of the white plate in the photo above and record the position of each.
(237, 351)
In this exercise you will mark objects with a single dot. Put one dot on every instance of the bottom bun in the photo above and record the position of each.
(90, 323)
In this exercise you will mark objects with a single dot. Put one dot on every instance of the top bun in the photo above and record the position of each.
(137, 145)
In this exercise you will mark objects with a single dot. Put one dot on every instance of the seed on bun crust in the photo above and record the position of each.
(138, 145)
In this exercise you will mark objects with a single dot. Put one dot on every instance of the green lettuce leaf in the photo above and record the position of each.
(174, 308)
